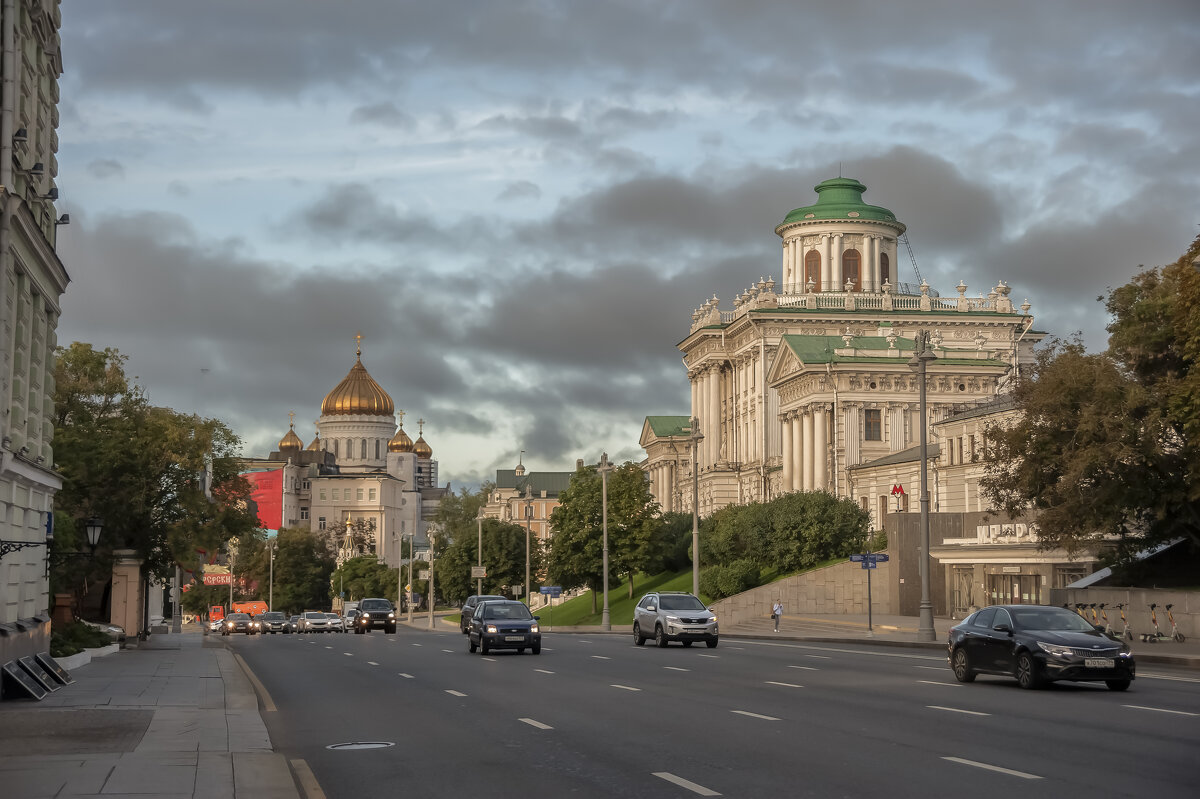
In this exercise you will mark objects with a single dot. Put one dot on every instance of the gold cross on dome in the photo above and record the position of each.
(400, 413)
(291, 418)
(358, 337)
(420, 427)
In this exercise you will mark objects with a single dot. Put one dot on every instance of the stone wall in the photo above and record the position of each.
(840, 588)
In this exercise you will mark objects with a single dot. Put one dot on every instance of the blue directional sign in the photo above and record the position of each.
(869, 560)
(857, 558)
(868, 564)
(553, 590)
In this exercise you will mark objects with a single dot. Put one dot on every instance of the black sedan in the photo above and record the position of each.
(504, 625)
(1037, 644)
(238, 623)
(468, 608)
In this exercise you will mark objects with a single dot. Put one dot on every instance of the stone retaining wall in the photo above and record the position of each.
(840, 588)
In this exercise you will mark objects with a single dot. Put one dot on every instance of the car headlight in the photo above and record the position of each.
(1057, 650)
(672, 618)
(533, 629)
(391, 615)
(491, 628)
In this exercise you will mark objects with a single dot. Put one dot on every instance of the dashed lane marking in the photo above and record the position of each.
(601, 657)
(1162, 710)
(710, 656)
(754, 715)
(538, 724)
(448, 650)
(784, 684)
(675, 668)
(806, 668)
(931, 668)
(372, 663)
(405, 676)
(626, 687)
(682, 783)
(329, 647)
(544, 671)
(348, 654)
(416, 644)
(935, 682)
(455, 693)
(489, 660)
(1151, 676)
(1022, 774)
(820, 657)
(957, 710)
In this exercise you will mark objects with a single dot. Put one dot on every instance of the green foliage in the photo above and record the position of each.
(583, 610)
(503, 557)
(363, 577)
(73, 638)
(734, 578)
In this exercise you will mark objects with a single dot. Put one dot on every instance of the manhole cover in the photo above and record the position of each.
(362, 745)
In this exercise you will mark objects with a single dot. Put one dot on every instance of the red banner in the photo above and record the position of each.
(266, 491)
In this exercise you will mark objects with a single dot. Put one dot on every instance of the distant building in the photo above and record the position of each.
(522, 497)
(32, 280)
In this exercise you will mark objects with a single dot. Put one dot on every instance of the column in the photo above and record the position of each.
(809, 459)
(797, 453)
(876, 275)
(786, 423)
(786, 266)
(702, 415)
(714, 413)
(826, 263)
(794, 260)
(821, 449)
(838, 278)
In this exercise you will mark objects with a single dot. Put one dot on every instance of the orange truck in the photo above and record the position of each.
(216, 613)
(253, 608)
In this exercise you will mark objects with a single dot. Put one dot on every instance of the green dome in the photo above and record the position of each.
(840, 198)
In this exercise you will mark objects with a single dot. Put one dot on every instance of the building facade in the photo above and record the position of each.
(32, 281)
(527, 498)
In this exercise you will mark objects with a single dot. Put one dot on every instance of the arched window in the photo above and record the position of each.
(852, 269)
(812, 269)
(364, 449)
(335, 447)
(885, 269)
(377, 449)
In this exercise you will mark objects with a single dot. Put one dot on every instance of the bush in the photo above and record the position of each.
(74, 638)
(719, 582)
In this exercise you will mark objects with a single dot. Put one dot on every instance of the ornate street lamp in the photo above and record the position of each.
(479, 551)
(604, 468)
(919, 364)
(696, 437)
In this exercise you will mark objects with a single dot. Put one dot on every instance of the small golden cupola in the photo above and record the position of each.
(291, 442)
(315, 446)
(358, 394)
(422, 449)
(400, 442)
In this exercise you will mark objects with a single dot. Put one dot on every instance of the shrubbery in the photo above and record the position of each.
(73, 638)
(719, 582)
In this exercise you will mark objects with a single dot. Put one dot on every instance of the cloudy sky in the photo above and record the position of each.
(519, 204)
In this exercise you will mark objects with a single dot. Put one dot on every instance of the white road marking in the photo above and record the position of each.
(544, 671)
(447, 650)
(537, 724)
(489, 660)
(601, 657)
(391, 639)
(547, 649)
(738, 648)
(882, 654)
(710, 656)
(1162, 710)
(675, 668)
(820, 657)
(682, 783)
(348, 654)
(329, 647)
(1145, 676)
(957, 710)
(416, 644)
(806, 668)
(405, 676)
(1023, 775)
(935, 682)
(626, 687)
(372, 663)
(931, 668)
(754, 715)
(455, 693)
(784, 684)
(585, 642)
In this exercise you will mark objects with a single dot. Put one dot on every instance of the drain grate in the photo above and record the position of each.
(361, 745)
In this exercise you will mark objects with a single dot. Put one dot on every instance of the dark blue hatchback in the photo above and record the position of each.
(504, 625)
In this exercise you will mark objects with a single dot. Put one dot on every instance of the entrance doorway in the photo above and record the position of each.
(1014, 589)
(962, 598)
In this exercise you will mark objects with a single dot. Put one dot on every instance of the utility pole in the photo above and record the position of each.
(604, 468)
(479, 551)
(271, 590)
(696, 437)
(528, 522)
(431, 581)
(412, 543)
(919, 364)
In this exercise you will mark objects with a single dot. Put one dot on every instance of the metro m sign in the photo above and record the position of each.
(218, 579)
(897, 490)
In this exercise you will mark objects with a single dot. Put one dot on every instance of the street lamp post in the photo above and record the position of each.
(271, 590)
(528, 524)
(431, 581)
(399, 571)
(919, 363)
(696, 437)
(479, 552)
(412, 542)
(604, 468)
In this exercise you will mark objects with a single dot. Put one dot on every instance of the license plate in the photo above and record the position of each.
(514, 638)
(1099, 663)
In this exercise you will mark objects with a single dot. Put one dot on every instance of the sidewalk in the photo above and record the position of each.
(175, 717)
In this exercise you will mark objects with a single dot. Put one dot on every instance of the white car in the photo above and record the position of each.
(335, 623)
(312, 621)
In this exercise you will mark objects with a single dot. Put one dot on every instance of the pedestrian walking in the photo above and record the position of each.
(777, 613)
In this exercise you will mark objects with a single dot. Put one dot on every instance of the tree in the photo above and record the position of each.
(503, 557)
(1106, 449)
(303, 566)
(364, 576)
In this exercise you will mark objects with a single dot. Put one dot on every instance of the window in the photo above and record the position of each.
(812, 269)
(364, 449)
(971, 448)
(358, 494)
(371, 495)
(984, 618)
(304, 514)
(852, 269)
(377, 449)
(863, 502)
(335, 448)
(345, 495)
(883, 508)
(320, 522)
(885, 268)
(323, 495)
(873, 424)
(306, 485)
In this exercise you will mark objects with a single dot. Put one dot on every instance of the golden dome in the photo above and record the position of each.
(400, 442)
(422, 449)
(357, 395)
(291, 442)
(315, 446)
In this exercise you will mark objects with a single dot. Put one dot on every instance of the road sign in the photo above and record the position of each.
(869, 564)
(898, 489)
(857, 558)
(869, 558)
(880, 558)
(478, 572)
(553, 590)
(423, 574)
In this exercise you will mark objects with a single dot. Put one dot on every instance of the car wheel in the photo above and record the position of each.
(638, 640)
(1027, 672)
(483, 647)
(1117, 685)
(711, 644)
(962, 666)
(471, 646)
(537, 649)
(358, 630)
(660, 638)
(390, 630)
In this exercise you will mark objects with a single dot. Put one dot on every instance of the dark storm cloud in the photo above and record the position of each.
(103, 168)
(354, 211)
(520, 190)
(384, 114)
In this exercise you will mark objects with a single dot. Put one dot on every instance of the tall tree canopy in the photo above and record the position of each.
(1107, 447)
(141, 468)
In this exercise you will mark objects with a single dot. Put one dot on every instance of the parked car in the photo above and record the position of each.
(674, 616)
(238, 623)
(468, 608)
(272, 622)
(292, 625)
(375, 614)
(312, 621)
(335, 623)
(506, 624)
(216, 626)
(1037, 644)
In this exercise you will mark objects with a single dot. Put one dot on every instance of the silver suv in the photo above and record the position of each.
(673, 616)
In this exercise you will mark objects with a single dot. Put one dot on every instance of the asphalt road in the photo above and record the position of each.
(597, 716)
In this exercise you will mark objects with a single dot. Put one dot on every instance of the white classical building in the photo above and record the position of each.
(32, 280)
(804, 380)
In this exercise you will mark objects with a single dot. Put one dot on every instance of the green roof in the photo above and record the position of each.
(666, 426)
(553, 483)
(840, 198)
(871, 349)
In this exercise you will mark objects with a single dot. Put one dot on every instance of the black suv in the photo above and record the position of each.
(468, 608)
(375, 614)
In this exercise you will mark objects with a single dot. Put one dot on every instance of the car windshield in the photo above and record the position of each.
(273, 616)
(506, 610)
(680, 602)
(1050, 619)
(332, 615)
(238, 617)
(376, 604)
(314, 615)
